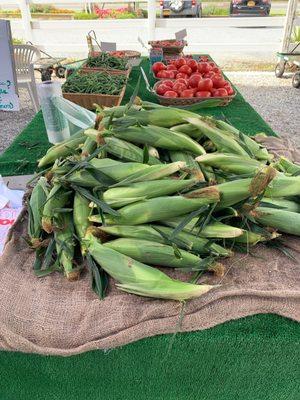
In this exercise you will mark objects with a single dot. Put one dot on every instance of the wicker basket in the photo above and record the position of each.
(180, 101)
(87, 100)
(170, 49)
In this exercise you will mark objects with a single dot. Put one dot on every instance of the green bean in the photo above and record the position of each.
(99, 82)
(104, 60)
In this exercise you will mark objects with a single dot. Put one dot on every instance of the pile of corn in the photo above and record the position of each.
(157, 186)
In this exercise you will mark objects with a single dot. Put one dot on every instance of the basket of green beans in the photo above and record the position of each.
(108, 63)
(99, 88)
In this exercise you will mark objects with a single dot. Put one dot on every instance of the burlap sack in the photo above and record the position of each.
(52, 316)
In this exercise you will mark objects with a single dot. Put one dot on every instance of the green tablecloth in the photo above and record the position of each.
(254, 358)
(20, 158)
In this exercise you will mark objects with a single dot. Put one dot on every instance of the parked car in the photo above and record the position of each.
(250, 8)
(180, 8)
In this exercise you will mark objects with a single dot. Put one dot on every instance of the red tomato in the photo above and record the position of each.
(158, 66)
(203, 94)
(166, 74)
(179, 62)
(179, 87)
(182, 80)
(162, 89)
(229, 89)
(168, 83)
(205, 85)
(194, 80)
(187, 93)
(181, 75)
(213, 91)
(218, 81)
(220, 92)
(216, 70)
(185, 69)
(193, 65)
(204, 67)
(212, 64)
(204, 58)
(171, 67)
(209, 74)
(160, 74)
(170, 93)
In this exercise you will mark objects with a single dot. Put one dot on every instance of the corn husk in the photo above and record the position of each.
(161, 208)
(56, 199)
(252, 238)
(35, 206)
(83, 178)
(211, 230)
(188, 129)
(164, 117)
(159, 137)
(65, 246)
(282, 220)
(62, 149)
(191, 165)
(287, 166)
(230, 163)
(224, 143)
(288, 205)
(183, 240)
(148, 189)
(127, 151)
(89, 146)
(152, 173)
(117, 170)
(81, 213)
(154, 253)
(135, 276)
(282, 186)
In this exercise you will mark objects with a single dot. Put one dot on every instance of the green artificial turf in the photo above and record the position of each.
(254, 358)
(21, 157)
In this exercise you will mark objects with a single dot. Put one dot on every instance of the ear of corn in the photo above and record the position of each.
(62, 149)
(85, 178)
(36, 205)
(288, 205)
(192, 166)
(159, 137)
(148, 189)
(81, 213)
(252, 238)
(160, 208)
(160, 234)
(282, 186)
(230, 163)
(287, 166)
(154, 253)
(152, 173)
(189, 130)
(211, 230)
(284, 221)
(65, 246)
(127, 151)
(121, 202)
(117, 170)
(223, 142)
(56, 199)
(135, 276)
(164, 117)
(89, 146)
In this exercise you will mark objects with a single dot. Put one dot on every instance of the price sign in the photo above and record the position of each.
(9, 100)
(180, 35)
(108, 46)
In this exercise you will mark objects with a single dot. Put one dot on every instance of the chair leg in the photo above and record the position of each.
(33, 95)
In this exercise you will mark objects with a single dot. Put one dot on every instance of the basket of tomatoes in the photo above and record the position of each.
(195, 89)
(171, 46)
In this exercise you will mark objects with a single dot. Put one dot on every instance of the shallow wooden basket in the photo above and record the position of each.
(181, 101)
(88, 100)
(170, 49)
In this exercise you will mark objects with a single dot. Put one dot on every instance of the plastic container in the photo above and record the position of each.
(57, 126)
